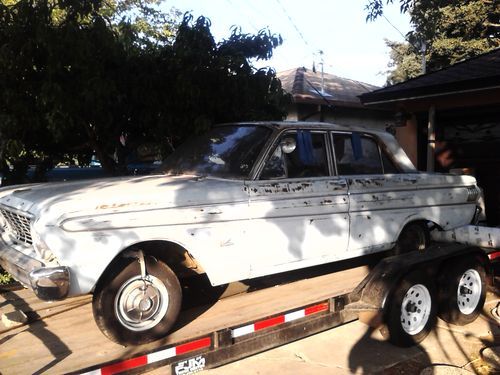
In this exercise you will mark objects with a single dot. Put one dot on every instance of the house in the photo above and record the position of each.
(318, 96)
(450, 120)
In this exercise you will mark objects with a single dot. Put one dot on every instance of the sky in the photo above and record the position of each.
(352, 48)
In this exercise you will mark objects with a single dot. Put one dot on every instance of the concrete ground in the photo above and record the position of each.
(355, 349)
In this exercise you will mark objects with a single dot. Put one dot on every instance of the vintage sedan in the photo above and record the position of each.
(242, 201)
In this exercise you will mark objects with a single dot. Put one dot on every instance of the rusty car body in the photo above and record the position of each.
(246, 200)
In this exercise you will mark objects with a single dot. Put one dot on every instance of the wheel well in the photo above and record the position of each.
(414, 235)
(430, 225)
(175, 256)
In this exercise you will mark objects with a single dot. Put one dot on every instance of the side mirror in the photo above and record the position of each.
(288, 145)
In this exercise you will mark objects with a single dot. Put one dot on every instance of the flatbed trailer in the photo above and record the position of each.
(62, 337)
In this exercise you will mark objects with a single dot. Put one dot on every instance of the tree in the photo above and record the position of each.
(59, 68)
(78, 77)
(449, 30)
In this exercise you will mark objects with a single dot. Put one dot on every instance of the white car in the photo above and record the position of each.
(244, 200)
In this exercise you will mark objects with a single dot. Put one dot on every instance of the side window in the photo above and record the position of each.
(356, 154)
(275, 166)
(298, 154)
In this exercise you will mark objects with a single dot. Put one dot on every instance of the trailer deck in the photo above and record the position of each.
(62, 337)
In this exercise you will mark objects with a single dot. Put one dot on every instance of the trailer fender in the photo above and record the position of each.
(370, 299)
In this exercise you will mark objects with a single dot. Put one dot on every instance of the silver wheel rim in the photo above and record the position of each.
(415, 309)
(469, 291)
(141, 304)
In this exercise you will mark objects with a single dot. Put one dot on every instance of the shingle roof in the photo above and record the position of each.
(306, 87)
(480, 72)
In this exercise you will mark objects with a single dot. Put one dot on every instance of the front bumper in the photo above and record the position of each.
(18, 264)
(48, 283)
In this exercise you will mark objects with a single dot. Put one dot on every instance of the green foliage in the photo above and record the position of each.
(76, 75)
(375, 8)
(5, 278)
(451, 31)
(404, 62)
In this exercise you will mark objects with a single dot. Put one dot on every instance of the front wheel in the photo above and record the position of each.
(411, 312)
(462, 291)
(131, 309)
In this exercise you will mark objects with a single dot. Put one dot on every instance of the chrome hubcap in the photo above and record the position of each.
(140, 304)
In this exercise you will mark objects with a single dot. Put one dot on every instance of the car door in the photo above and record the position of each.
(298, 210)
(380, 198)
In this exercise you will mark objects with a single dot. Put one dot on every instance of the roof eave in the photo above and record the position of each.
(453, 88)
(307, 99)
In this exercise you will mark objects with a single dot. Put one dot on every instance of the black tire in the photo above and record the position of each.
(121, 319)
(462, 291)
(415, 236)
(411, 311)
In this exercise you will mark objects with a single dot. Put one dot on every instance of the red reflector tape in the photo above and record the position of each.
(125, 365)
(494, 255)
(152, 357)
(193, 345)
(285, 318)
(316, 308)
(269, 322)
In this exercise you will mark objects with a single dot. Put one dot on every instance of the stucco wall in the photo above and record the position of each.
(407, 138)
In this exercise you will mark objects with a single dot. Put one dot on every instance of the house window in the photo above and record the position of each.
(297, 155)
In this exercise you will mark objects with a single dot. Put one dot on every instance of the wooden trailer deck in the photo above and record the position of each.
(62, 337)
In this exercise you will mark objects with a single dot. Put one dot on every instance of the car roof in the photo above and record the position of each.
(388, 139)
(308, 125)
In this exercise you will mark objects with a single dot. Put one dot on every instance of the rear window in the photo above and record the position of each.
(360, 154)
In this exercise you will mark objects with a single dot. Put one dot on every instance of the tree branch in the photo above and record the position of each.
(492, 24)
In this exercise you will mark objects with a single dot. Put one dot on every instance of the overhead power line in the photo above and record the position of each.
(394, 27)
(244, 15)
(293, 23)
(422, 49)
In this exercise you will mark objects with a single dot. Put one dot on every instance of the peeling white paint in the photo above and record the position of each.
(235, 229)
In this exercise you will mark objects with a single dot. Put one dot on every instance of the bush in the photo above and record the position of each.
(5, 278)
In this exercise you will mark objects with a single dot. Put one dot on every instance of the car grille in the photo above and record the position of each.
(18, 225)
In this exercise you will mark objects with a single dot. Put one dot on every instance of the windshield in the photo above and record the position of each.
(226, 151)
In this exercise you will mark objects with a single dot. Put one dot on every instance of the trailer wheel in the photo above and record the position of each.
(411, 313)
(462, 291)
(133, 310)
(414, 237)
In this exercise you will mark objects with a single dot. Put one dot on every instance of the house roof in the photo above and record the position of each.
(478, 73)
(305, 86)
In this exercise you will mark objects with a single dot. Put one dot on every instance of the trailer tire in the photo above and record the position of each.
(414, 236)
(462, 291)
(130, 310)
(411, 313)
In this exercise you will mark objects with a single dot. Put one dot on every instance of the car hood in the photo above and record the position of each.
(123, 193)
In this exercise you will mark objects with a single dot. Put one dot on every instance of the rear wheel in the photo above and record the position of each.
(462, 291)
(131, 309)
(414, 237)
(411, 313)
